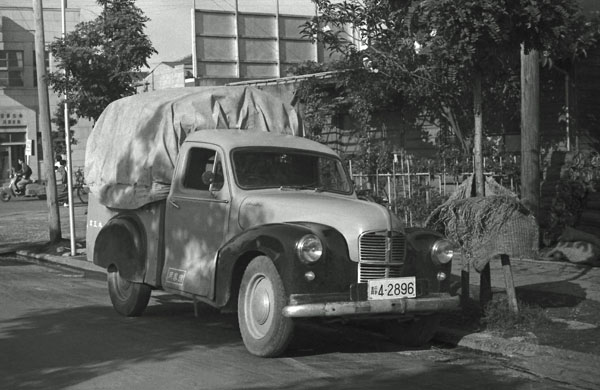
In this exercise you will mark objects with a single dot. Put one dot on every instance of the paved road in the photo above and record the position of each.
(58, 331)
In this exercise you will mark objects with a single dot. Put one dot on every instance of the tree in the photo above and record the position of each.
(449, 60)
(58, 137)
(97, 61)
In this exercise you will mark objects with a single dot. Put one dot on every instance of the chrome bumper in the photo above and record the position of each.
(429, 304)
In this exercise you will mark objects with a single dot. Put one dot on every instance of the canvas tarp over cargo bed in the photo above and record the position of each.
(132, 150)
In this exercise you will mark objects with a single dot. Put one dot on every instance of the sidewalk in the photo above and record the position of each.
(567, 348)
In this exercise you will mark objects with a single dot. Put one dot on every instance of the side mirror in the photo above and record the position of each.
(208, 177)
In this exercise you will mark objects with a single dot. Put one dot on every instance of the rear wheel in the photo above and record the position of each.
(265, 331)
(128, 298)
(414, 332)
(82, 194)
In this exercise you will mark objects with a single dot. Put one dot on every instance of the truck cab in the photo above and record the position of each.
(270, 225)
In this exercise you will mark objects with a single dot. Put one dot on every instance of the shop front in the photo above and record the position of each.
(17, 132)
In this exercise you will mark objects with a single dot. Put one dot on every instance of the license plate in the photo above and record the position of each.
(392, 288)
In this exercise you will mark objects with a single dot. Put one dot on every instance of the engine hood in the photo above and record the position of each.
(350, 216)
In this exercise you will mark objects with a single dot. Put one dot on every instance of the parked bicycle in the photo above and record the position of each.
(79, 186)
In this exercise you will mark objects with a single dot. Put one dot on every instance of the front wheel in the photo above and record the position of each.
(414, 332)
(265, 331)
(128, 298)
(5, 195)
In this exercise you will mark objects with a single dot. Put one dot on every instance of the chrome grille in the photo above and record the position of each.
(372, 250)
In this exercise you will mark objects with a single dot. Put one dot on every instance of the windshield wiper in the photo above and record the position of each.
(296, 188)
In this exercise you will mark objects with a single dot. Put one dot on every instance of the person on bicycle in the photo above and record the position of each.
(25, 172)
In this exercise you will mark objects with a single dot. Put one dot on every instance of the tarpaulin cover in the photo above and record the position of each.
(132, 150)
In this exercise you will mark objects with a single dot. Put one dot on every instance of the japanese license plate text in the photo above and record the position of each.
(392, 288)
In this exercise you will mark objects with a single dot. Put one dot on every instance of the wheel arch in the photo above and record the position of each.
(277, 241)
(121, 245)
(272, 240)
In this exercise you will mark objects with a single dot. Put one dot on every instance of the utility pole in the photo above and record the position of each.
(485, 278)
(44, 120)
(63, 6)
(530, 130)
(478, 135)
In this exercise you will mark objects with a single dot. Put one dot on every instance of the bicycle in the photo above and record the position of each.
(80, 188)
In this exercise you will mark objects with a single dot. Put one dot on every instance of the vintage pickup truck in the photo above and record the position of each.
(270, 225)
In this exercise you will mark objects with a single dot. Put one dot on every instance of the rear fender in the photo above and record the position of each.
(121, 244)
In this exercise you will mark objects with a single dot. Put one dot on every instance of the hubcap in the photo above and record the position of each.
(261, 304)
(123, 286)
(258, 303)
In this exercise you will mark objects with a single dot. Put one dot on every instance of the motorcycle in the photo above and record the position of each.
(12, 191)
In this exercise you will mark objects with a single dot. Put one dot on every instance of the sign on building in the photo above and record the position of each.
(28, 147)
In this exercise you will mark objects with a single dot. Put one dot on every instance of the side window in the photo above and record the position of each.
(199, 160)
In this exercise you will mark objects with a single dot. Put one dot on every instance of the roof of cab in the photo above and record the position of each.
(229, 139)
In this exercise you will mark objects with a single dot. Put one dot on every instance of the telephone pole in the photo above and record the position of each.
(530, 130)
(63, 7)
(44, 120)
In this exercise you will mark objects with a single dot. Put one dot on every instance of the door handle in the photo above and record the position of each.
(173, 204)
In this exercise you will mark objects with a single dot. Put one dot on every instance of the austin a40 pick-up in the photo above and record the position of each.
(270, 225)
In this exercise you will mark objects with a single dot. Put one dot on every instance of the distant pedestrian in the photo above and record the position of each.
(60, 166)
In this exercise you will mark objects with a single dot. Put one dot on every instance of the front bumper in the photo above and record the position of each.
(432, 303)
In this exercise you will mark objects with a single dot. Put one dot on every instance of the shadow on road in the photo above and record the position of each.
(55, 349)
(552, 294)
(59, 348)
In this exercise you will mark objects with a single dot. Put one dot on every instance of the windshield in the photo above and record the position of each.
(289, 169)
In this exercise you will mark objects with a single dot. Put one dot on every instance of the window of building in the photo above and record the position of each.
(12, 137)
(11, 68)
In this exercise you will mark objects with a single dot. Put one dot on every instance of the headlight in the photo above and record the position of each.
(442, 251)
(309, 248)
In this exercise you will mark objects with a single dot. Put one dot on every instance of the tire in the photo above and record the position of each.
(265, 331)
(5, 195)
(128, 298)
(82, 194)
(415, 332)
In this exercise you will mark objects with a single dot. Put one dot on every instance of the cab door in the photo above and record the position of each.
(196, 220)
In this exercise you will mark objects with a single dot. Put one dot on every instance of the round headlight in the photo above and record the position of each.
(442, 251)
(309, 248)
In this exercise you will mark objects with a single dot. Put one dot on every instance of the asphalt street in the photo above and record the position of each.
(59, 331)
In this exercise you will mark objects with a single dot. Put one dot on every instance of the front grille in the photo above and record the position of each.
(375, 263)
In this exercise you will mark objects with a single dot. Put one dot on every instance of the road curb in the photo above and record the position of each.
(576, 368)
(66, 261)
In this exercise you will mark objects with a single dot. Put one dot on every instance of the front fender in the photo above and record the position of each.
(418, 258)
(122, 244)
(333, 272)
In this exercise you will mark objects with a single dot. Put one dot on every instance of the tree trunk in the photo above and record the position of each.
(478, 137)
(530, 129)
(44, 120)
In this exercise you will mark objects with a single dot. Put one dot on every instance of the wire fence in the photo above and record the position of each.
(412, 196)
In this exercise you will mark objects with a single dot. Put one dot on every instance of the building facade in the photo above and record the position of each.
(20, 134)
